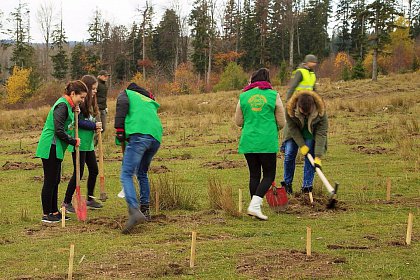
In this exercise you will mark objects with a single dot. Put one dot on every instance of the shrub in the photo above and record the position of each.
(233, 77)
(185, 81)
(17, 86)
(358, 71)
(171, 194)
(284, 73)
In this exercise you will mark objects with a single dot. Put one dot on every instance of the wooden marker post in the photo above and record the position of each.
(311, 198)
(240, 201)
(308, 241)
(63, 217)
(71, 258)
(157, 203)
(409, 228)
(388, 189)
(193, 245)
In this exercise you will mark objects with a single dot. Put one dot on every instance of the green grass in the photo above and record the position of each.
(367, 145)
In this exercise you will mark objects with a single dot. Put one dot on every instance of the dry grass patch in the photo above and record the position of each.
(221, 197)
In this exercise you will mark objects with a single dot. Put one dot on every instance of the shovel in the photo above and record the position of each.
(276, 197)
(332, 191)
(103, 196)
(80, 201)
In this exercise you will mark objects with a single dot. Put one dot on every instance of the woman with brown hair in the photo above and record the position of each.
(87, 127)
(55, 137)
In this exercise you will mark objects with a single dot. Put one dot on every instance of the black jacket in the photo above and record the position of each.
(102, 94)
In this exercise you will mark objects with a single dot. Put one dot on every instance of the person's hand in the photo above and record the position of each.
(120, 134)
(99, 126)
(317, 162)
(77, 142)
(106, 110)
(77, 109)
(304, 150)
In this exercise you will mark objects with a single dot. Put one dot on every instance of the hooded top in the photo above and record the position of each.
(317, 122)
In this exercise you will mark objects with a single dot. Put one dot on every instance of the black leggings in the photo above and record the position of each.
(52, 173)
(266, 161)
(90, 159)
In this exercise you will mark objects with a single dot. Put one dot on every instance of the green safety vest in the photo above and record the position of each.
(48, 135)
(308, 80)
(259, 131)
(86, 138)
(142, 116)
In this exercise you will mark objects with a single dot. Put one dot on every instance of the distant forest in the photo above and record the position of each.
(216, 44)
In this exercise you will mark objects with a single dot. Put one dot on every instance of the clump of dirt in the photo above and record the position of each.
(19, 152)
(299, 203)
(65, 177)
(117, 158)
(346, 247)
(112, 223)
(207, 217)
(371, 150)
(291, 264)
(222, 141)
(179, 146)
(159, 169)
(397, 243)
(10, 165)
(227, 152)
(183, 156)
(225, 164)
(353, 141)
(5, 241)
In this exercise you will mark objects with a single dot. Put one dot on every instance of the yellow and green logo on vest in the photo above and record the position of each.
(257, 102)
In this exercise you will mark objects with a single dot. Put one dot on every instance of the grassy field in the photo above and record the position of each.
(374, 135)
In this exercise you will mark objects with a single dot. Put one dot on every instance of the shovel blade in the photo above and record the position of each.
(80, 205)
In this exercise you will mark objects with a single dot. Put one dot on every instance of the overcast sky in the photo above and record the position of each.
(77, 14)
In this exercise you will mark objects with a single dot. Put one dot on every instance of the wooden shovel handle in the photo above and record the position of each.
(321, 175)
(101, 163)
(76, 134)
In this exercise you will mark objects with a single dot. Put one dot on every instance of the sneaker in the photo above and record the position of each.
(50, 218)
(121, 194)
(69, 207)
(93, 204)
(60, 216)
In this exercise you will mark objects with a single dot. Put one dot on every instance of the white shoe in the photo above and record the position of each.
(254, 208)
(121, 194)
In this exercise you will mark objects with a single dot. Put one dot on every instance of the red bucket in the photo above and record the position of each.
(276, 197)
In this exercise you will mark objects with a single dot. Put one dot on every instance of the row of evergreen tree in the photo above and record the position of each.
(253, 33)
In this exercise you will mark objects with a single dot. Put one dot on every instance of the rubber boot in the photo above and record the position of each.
(145, 209)
(288, 187)
(254, 208)
(135, 217)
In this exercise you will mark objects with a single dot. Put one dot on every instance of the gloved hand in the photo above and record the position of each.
(120, 134)
(317, 162)
(77, 142)
(304, 150)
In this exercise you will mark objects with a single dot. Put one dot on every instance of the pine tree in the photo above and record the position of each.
(60, 59)
(261, 25)
(358, 34)
(343, 17)
(231, 27)
(78, 61)
(248, 41)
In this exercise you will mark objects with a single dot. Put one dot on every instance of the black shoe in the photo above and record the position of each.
(288, 187)
(50, 218)
(135, 217)
(306, 189)
(145, 209)
(93, 204)
(60, 216)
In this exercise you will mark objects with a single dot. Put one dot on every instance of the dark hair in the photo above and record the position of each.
(306, 102)
(77, 86)
(90, 105)
(262, 74)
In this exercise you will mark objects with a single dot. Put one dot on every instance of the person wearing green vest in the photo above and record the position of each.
(87, 127)
(56, 135)
(260, 113)
(306, 131)
(303, 77)
(137, 124)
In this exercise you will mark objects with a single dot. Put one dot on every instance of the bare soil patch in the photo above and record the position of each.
(19, 152)
(299, 203)
(222, 141)
(400, 200)
(225, 164)
(346, 247)
(291, 264)
(117, 158)
(11, 165)
(159, 169)
(227, 152)
(40, 178)
(371, 150)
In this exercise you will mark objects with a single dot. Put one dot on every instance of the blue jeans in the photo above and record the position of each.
(291, 150)
(136, 161)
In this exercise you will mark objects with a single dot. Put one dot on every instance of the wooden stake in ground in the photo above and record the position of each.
(308, 241)
(63, 217)
(409, 228)
(311, 198)
(157, 203)
(103, 196)
(388, 189)
(71, 258)
(240, 201)
(193, 243)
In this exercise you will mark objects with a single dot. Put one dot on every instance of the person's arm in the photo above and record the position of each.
(121, 110)
(239, 117)
(295, 131)
(279, 113)
(321, 136)
(293, 84)
(60, 117)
